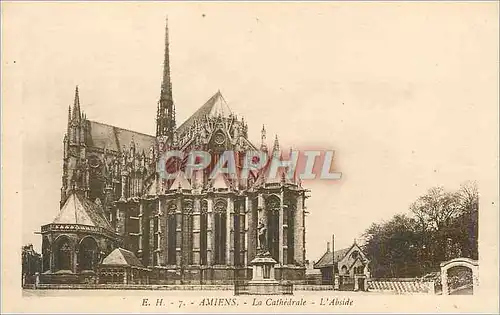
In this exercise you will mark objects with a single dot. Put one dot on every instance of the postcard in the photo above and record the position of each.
(250, 157)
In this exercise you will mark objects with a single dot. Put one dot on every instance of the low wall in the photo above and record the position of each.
(313, 287)
(206, 287)
(401, 285)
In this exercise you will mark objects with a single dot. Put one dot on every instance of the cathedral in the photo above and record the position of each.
(184, 230)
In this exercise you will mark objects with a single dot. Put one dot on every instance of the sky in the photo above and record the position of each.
(405, 93)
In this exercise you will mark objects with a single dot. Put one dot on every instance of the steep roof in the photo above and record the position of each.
(122, 257)
(265, 176)
(326, 259)
(181, 182)
(213, 107)
(220, 182)
(114, 138)
(80, 210)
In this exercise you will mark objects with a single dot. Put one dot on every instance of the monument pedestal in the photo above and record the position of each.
(263, 279)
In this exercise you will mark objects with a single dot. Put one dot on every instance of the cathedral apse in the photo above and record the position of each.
(120, 219)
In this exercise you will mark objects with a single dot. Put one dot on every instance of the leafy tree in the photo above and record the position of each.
(441, 225)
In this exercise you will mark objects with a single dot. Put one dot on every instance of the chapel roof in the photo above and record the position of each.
(326, 259)
(80, 210)
(122, 257)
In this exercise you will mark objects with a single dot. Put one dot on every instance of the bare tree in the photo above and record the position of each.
(436, 208)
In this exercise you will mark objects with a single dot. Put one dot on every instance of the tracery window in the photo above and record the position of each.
(242, 247)
(289, 220)
(273, 229)
(203, 232)
(171, 234)
(237, 236)
(187, 229)
(220, 222)
(63, 254)
(87, 254)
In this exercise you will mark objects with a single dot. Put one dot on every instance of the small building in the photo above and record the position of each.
(76, 241)
(123, 267)
(349, 264)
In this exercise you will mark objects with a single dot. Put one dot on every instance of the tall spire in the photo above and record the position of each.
(76, 105)
(166, 84)
(165, 118)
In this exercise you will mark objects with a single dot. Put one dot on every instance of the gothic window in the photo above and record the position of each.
(242, 233)
(133, 228)
(149, 208)
(187, 229)
(273, 229)
(63, 254)
(155, 229)
(220, 231)
(237, 241)
(354, 254)
(203, 232)
(87, 254)
(290, 221)
(171, 234)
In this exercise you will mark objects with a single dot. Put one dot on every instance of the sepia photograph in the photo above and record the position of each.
(250, 157)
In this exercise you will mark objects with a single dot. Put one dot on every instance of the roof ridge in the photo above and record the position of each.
(138, 132)
(200, 109)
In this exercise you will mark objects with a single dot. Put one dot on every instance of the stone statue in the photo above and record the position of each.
(262, 235)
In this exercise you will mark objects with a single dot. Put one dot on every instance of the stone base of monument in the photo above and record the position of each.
(263, 281)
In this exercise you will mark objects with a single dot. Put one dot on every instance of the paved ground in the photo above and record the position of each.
(52, 293)
(464, 291)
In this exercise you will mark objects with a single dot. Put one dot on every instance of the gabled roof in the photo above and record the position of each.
(80, 210)
(265, 176)
(220, 182)
(213, 107)
(326, 259)
(122, 257)
(114, 138)
(181, 182)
